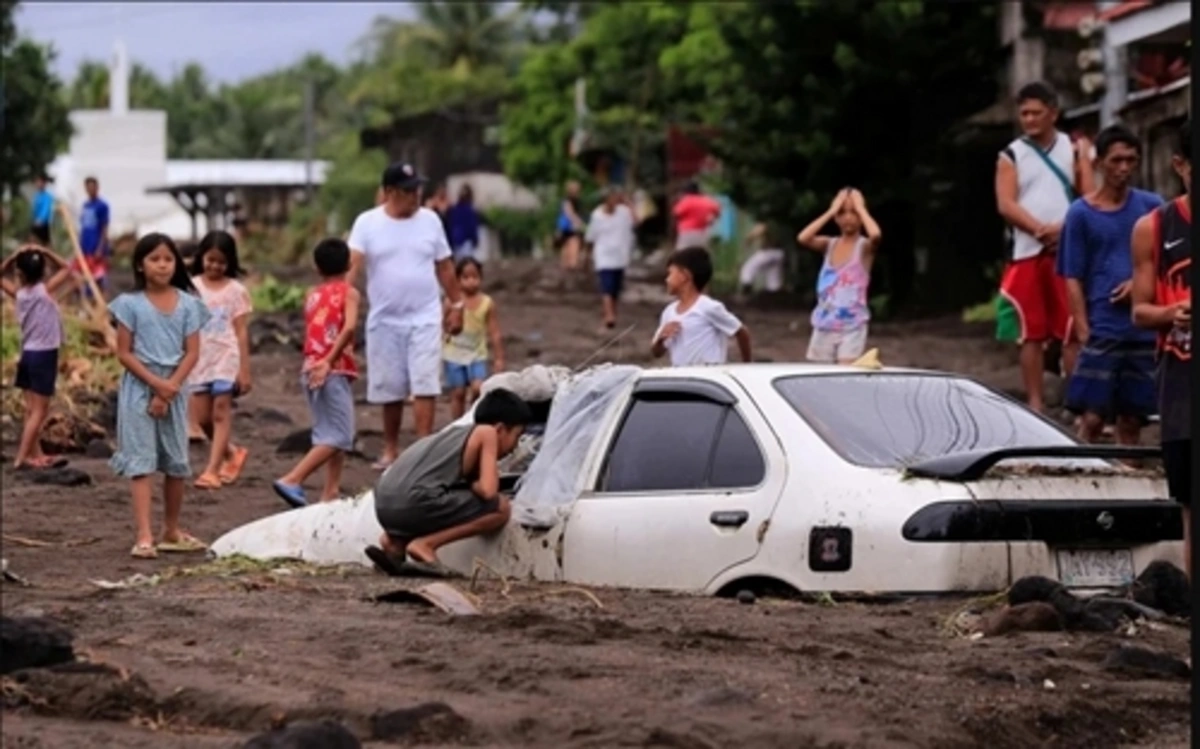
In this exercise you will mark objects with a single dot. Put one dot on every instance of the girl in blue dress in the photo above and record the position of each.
(158, 343)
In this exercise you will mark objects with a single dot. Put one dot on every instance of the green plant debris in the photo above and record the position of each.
(271, 295)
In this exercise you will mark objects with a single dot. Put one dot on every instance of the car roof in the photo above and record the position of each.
(773, 370)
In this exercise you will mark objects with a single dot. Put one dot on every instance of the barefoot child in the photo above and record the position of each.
(223, 371)
(841, 315)
(41, 337)
(696, 329)
(446, 487)
(330, 317)
(465, 356)
(158, 343)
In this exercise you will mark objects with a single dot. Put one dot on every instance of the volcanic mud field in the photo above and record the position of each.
(195, 654)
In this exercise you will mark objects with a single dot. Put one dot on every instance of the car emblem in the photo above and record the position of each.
(1105, 520)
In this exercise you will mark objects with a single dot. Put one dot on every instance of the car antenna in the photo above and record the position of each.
(605, 347)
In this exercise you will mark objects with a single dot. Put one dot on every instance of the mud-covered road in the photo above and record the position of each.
(208, 658)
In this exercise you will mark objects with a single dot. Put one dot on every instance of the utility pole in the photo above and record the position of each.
(309, 106)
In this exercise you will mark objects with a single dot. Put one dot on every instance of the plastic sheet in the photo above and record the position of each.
(554, 479)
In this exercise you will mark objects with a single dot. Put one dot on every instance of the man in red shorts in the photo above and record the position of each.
(1038, 176)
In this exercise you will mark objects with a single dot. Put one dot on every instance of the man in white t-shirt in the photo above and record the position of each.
(610, 232)
(407, 258)
(696, 329)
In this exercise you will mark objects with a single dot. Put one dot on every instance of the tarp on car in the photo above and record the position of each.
(554, 478)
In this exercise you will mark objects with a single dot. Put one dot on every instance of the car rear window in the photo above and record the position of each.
(893, 420)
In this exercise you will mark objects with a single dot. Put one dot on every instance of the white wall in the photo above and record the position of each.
(127, 153)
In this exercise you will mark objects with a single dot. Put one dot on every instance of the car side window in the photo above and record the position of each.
(681, 444)
(737, 462)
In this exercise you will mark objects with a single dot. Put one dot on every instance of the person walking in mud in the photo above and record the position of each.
(569, 228)
(402, 250)
(1038, 175)
(1161, 294)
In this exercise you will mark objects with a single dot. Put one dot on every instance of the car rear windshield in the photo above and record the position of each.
(895, 420)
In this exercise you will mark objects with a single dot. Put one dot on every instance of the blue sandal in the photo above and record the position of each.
(293, 495)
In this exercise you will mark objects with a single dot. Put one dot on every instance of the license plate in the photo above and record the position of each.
(1095, 568)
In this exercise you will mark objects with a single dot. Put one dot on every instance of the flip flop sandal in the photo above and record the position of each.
(232, 468)
(185, 544)
(207, 481)
(144, 551)
(382, 465)
(293, 495)
(384, 562)
(416, 568)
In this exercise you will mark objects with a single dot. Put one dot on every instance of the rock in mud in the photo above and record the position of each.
(427, 723)
(296, 443)
(99, 448)
(1074, 613)
(270, 416)
(33, 642)
(325, 734)
(1138, 662)
(59, 477)
(1163, 586)
(1025, 617)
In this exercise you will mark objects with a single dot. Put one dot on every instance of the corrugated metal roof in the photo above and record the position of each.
(247, 173)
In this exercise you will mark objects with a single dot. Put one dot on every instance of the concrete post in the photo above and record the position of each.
(1116, 76)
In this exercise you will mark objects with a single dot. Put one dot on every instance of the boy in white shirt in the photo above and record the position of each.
(696, 329)
(610, 232)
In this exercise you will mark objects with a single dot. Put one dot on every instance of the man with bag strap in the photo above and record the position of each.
(1037, 177)
(1162, 301)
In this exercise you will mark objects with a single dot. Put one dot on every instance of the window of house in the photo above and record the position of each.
(680, 444)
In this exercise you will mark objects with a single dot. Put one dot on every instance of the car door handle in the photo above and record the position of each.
(729, 518)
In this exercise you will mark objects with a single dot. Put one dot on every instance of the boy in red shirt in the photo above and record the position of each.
(330, 317)
(694, 215)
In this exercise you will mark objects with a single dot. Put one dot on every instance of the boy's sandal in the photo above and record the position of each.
(207, 481)
(386, 563)
(185, 543)
(231, 469)
(293, 495)
(144, 551)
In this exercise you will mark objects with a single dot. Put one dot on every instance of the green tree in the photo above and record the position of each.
(808, 97)
(34, 127)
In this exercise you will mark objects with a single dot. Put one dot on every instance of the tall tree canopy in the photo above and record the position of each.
(34, 127)
(796, 98)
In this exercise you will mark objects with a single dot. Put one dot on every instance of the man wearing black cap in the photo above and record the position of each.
(406, 257)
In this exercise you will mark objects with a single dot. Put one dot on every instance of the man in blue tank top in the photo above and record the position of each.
(1114, 377)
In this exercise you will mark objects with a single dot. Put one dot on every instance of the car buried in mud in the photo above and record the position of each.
(795, 476)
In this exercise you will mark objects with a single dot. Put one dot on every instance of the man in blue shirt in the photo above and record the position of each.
(1114, 377)
(42, 211)
(93, 231)
(463, 225)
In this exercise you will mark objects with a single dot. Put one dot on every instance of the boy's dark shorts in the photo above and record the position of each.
(423, 515)
(611, 282)
(41, 232)
(1177, 460)
(1114, 378)
(37, 371)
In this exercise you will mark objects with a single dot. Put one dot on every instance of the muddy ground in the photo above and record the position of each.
(206, 660)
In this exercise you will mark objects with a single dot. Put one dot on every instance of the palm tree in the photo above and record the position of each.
(447, 35)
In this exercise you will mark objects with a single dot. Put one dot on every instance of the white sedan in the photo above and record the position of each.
(796, 476)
